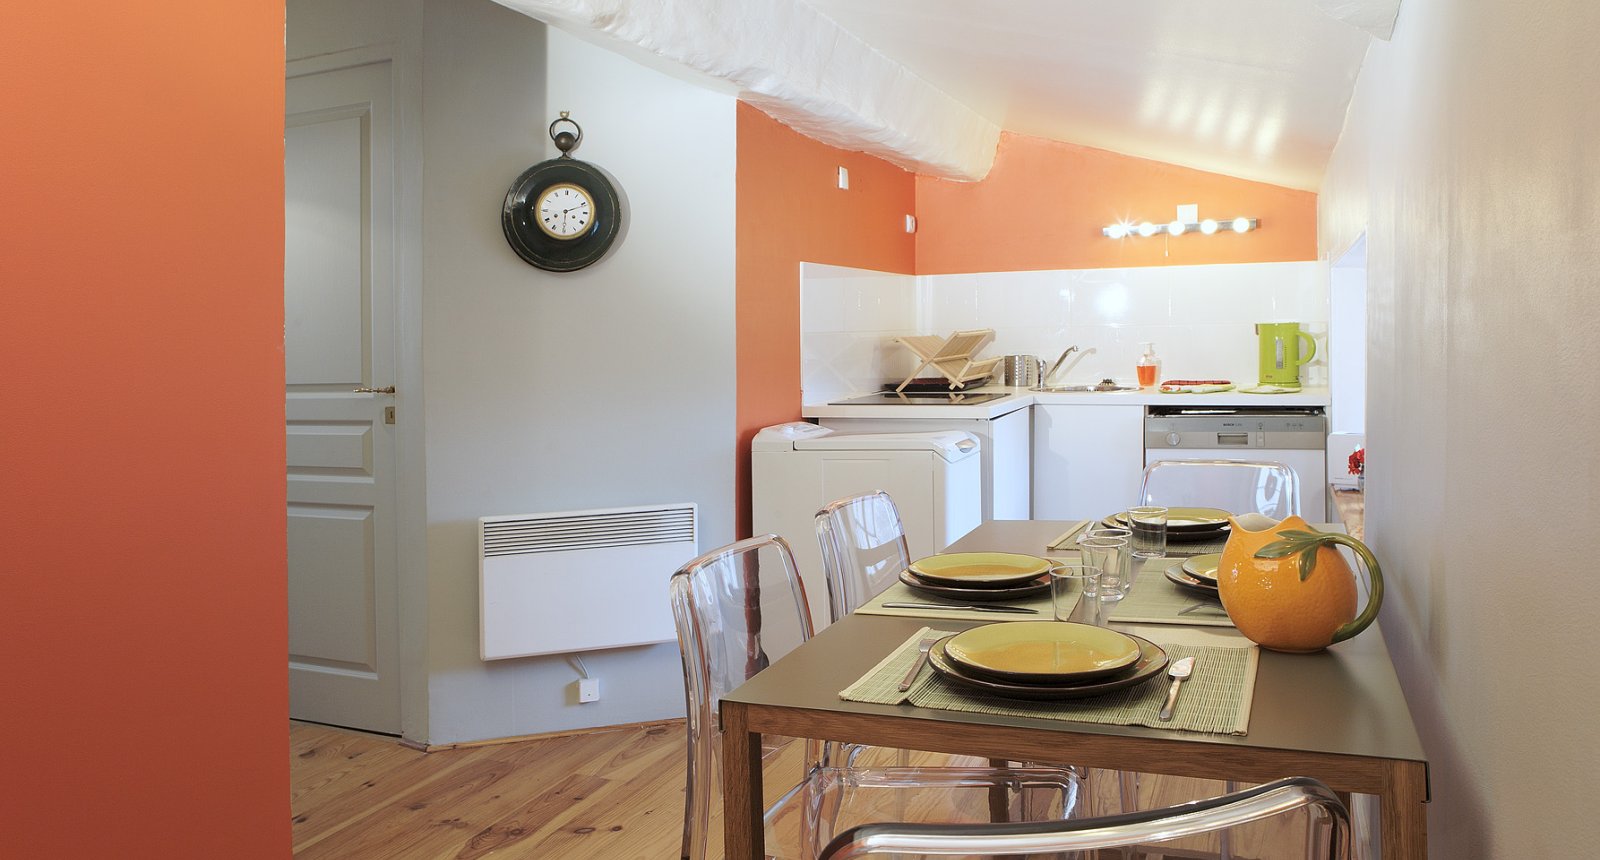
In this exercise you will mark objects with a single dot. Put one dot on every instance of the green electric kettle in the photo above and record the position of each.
(1281, 355)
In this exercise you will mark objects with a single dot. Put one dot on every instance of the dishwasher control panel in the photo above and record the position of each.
(1235, 427)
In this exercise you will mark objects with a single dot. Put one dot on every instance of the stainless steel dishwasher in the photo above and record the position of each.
(1296, 436)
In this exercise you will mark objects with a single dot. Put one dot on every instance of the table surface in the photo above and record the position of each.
(1344, 700)
(1339, 715)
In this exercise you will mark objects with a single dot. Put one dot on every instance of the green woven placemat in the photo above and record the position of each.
(1215, 700)
(1155, 600)
(1188, 549)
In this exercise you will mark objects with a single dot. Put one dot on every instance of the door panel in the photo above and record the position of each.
(338, 336)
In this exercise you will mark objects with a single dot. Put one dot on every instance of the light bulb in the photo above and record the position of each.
(1147, 229)
(1176, 228)
(1208, 226)
(1241, 225)
(1117, 231)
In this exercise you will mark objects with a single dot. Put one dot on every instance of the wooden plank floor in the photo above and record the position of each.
(601, 795)
(614, 794)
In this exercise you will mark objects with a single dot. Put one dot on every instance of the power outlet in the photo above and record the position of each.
(588, 690)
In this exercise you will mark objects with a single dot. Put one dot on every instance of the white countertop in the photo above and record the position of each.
(1019, 398)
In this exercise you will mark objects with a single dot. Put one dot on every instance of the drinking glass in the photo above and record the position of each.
(1149, 526)
(1067, 581)
(1109, 553)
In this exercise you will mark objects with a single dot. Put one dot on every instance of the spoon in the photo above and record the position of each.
(1179, 671)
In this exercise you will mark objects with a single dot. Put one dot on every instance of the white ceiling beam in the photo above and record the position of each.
(1374, 16)
(801, 68)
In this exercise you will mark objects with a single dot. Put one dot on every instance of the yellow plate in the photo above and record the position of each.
(1185, 519)
(1203, 566)
(979, 568)
(1043, 650)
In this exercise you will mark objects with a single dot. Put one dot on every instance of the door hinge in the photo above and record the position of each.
(388, 414)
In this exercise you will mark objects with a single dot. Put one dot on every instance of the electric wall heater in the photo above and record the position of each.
(580, 580)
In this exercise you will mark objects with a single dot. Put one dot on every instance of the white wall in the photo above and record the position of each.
(1471, 159)
(1347, 341)
(1200, 318)
(606, 387)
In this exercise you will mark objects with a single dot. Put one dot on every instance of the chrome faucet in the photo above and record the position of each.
(1045, 380)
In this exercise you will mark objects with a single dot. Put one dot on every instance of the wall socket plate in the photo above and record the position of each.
(588, 690)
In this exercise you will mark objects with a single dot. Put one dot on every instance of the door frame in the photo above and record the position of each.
(411, 513)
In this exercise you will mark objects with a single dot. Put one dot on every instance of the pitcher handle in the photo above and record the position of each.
(1374, 600)
(1310, 344)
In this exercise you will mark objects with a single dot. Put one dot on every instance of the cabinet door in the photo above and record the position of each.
(1011, 481)
(1087, 459)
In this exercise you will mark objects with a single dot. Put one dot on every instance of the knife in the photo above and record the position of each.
(1021, 609)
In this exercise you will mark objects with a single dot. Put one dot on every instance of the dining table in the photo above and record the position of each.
(1338, 715)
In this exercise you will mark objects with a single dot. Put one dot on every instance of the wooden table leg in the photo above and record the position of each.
(1403, 813)
(742, 806)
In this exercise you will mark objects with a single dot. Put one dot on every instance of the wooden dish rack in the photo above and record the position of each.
(951, 356)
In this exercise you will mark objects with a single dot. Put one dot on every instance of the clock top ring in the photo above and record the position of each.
(562, 214)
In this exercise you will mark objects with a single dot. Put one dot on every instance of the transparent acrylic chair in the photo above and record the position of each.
(863, 544)
(1237, 486)
(739, 608)
(863, 549)
(1327, 820)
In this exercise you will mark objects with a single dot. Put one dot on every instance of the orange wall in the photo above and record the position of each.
(1044, 202)
(790, 209)
(142, 448)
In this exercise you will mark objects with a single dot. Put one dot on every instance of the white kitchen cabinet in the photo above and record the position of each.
(1007, 478)
(1087, 459)
(1011, 481)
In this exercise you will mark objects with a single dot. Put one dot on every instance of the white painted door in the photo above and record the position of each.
(338, 337)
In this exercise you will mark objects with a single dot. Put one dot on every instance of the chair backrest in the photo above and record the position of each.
(1238, 486)
(863, 549)
(737, 609)
(1215, 815)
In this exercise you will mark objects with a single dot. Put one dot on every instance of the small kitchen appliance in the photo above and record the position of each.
(1284, 347)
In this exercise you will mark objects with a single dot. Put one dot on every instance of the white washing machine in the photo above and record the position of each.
(934, 478)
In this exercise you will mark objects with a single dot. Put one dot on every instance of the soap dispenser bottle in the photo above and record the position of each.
(1149, 367)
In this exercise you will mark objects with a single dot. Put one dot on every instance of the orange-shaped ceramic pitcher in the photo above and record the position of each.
(1287, 588)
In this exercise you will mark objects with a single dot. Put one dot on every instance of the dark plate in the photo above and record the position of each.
(1041, 585)
(1185, 579)
(1152, 660)
(1183, 519)
(1198, 537)
(1180, 535)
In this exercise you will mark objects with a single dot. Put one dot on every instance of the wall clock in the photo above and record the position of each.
(563, 214)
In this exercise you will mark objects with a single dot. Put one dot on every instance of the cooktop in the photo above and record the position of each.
(921, 398)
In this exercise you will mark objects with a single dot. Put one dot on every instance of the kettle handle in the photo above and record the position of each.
(1310, 344)
(1374, 600)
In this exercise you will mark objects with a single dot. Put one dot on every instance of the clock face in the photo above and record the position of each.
(564, 211)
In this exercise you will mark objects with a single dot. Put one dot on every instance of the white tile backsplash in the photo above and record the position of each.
(1200, 318)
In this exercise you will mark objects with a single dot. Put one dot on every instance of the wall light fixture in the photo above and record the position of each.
(1178, 227)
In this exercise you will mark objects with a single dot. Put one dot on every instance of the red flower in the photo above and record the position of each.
(1358, 461)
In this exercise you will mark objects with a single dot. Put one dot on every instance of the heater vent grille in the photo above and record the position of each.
(587, 530)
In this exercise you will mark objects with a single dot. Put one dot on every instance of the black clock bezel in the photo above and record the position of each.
(518, 216)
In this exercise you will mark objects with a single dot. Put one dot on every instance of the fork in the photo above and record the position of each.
(922, 657)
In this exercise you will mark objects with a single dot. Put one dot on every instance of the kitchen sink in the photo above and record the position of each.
(1102, 385)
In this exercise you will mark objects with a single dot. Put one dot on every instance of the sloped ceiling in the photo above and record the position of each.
(1250, 88)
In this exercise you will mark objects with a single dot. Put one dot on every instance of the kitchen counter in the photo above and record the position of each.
(1020, 398)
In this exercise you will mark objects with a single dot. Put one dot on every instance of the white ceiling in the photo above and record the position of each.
(1250, 88)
